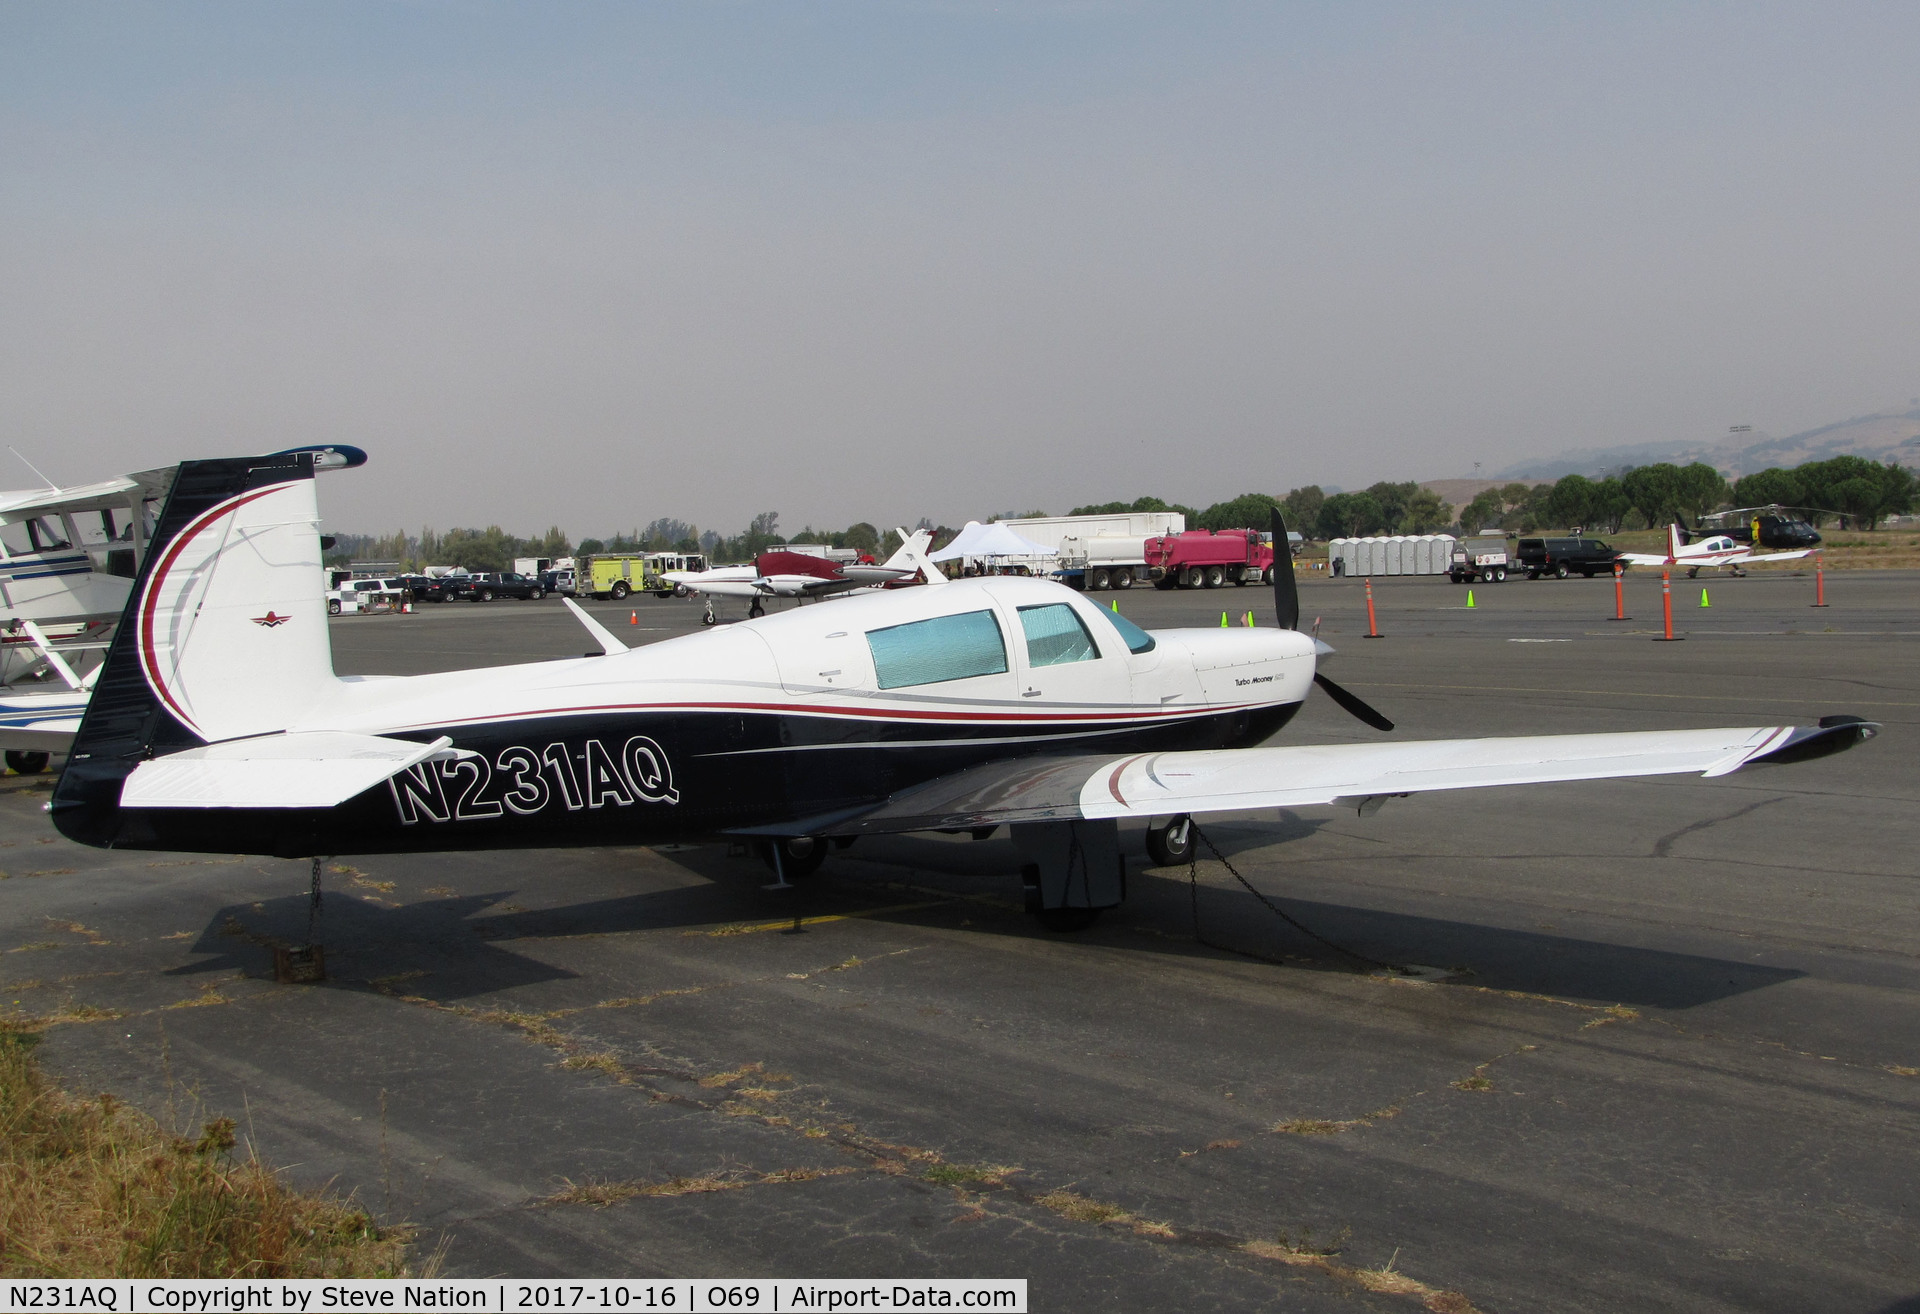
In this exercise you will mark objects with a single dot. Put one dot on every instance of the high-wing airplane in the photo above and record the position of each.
(1713, 553)
(783, 574)
(67, 562)
(218, 724)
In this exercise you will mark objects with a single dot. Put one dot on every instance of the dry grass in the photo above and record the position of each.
(600, 1194)
(91, 1188)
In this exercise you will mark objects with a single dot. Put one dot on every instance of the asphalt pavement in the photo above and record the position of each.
(1618, 1045)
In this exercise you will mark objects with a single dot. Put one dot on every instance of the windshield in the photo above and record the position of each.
(1136, 639)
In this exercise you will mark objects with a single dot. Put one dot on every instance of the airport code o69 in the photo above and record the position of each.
(403, 1296)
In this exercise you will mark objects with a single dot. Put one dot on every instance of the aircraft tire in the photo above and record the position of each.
(756, 611)
(28, 764)
(797, 865)
(1171, 844)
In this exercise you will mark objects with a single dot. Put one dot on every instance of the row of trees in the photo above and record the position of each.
(1858, 492)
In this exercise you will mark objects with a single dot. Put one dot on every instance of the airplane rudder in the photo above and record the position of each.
(177, 671)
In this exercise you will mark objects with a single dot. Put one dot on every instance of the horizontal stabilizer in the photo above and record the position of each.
(313, 769)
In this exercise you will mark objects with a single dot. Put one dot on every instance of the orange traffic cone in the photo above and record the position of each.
(634, 619)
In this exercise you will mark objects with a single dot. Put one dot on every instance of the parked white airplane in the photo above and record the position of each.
(218, 724)
(784, 574)
(64, 582)
(1712, 553)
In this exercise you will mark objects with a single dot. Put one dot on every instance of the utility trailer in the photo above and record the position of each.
(1480, 560)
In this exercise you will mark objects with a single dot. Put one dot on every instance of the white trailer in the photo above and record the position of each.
(1049, 531)
(1098, 552)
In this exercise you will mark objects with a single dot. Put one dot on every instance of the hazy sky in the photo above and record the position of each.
(591, 264)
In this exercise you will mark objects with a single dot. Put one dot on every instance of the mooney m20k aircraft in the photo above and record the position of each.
(219, 725)
(1711, 553)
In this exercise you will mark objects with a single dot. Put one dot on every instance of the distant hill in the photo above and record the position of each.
(1876, 437)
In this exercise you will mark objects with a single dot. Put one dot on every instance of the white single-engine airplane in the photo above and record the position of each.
(1712, 553)
(61, 592)
(219, 725)
(785, 574)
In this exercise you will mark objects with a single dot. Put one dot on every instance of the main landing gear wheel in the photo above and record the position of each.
(800, 856)
(28, 764)
(1693, 572)
(1171, 843)
(756, 610)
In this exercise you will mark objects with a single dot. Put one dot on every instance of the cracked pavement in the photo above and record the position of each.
(1660, 1047)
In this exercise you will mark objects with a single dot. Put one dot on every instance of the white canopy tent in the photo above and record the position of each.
(994, 540)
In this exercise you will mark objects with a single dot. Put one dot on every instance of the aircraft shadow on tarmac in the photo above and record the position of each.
(460, 945)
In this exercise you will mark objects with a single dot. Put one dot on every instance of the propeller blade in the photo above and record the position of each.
(1351, 703)
(1286, 593)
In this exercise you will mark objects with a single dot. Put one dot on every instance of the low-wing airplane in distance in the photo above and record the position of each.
(1715, 552)
(787, 574)
(219, 725)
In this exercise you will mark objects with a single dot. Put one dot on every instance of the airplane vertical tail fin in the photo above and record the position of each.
(224, 634)
(1674, 542)
(913, 555)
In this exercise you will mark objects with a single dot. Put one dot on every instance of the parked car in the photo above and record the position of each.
(488, 585)
(1561, 557)
(357, 595)
(427, 588)
(558, 581)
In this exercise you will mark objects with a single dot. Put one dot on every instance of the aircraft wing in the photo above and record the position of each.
(1779, 556)
(308, 769)
(1648, 559)
(1237, 780)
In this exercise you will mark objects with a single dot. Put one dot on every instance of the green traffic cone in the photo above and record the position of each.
(1469, 597)
(1703, 599)
(1223, 620)
(1116, 604)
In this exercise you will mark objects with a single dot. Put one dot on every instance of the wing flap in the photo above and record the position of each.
(315, 769)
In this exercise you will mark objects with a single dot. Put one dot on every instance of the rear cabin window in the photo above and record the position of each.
(1056, 636)
(934, 651)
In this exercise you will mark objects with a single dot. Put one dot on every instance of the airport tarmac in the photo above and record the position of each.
(1631, 1045)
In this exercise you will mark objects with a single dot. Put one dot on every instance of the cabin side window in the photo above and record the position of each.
(1056, 636)
(934, 651)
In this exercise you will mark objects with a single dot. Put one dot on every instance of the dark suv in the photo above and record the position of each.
(1561, 557)
(487, 587)
(426, 588)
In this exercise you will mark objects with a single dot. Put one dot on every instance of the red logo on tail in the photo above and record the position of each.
(270, 620)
